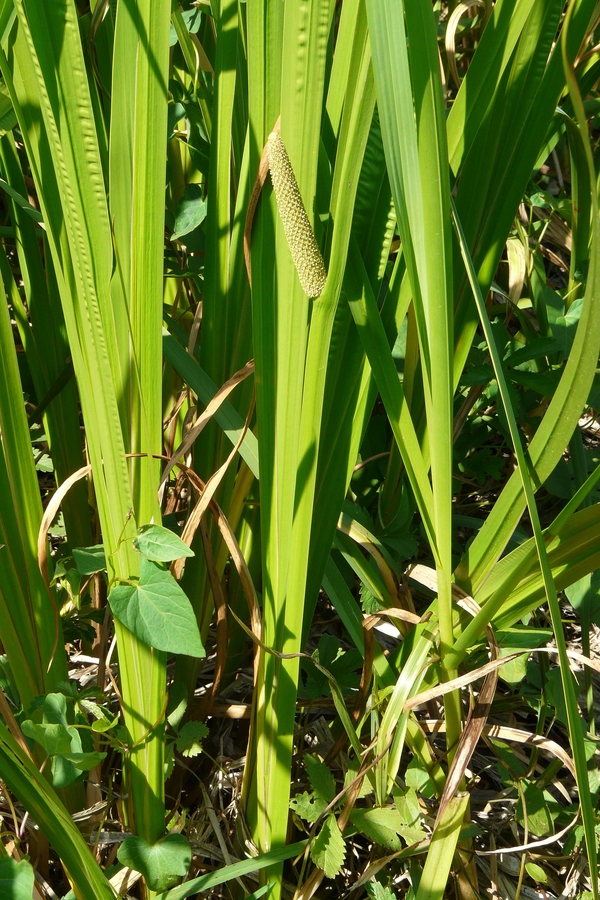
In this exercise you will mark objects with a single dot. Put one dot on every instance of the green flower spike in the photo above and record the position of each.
(300, 236)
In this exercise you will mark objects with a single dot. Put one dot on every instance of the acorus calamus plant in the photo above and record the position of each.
(299, 332)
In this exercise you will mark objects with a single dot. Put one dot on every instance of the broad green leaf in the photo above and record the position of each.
(328, 850)
(16, 879)
(189, 739)
(383, 826)
(321, 779)
(89, 560)
(157, 611)
(160, 544)
(308, 806)
(100, 726)
(23, 779)
(564, 325)
(60, 741)
(178, 702)
(512, 641)
(190, 212)
(542, 810)
(408, 806)
(162, 864)
(98, 712)
(343, 665)
(53, 738)
(584, 596)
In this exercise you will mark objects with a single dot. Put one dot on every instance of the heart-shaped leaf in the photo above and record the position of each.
(89, 560)
(160, 544)
(162, 864)
(16, 879)
(53, 738)
(157, 611)
(61, 741)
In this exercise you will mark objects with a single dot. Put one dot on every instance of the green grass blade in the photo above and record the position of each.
(24, 780)
(434, 879)
(136, 176)
(29, 620)
(372, 333)
(235, 870)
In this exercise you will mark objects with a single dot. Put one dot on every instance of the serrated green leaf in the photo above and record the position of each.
(307, 806)
(343, 665)
(377, 891)
(89, 560)
(409, 808)
(383, 826)
(157, 611)
(159, 544)
(321, 779)
(366, 787)
(169, 762)
(16, 879)
(328, 850)
(162, 864)
(189, 739)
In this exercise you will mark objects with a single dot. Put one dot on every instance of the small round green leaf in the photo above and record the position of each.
(536, 872)
(160, 544)
(162, 864)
